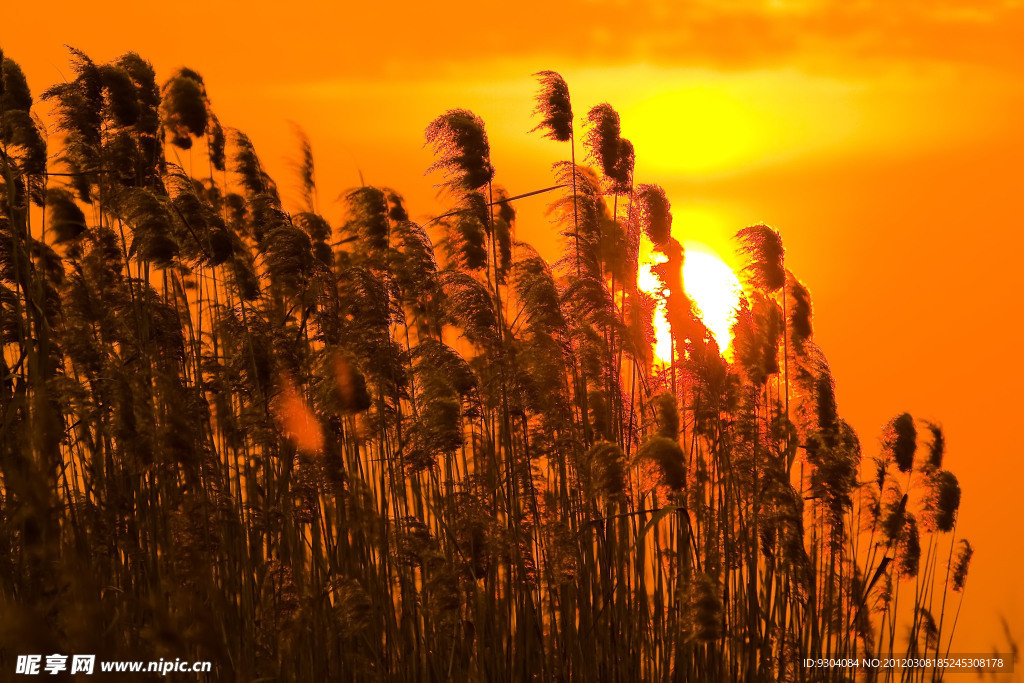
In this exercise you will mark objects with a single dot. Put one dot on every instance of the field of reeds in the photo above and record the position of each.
(382, 450)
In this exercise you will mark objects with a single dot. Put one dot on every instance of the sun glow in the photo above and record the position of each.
(714, 288)
(709, 282)
(648, 282)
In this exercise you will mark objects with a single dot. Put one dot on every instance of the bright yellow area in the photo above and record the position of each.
(709, 282)
(700, 128)
(714, 288)
(702, 122)
(708, 227)
(648, 283)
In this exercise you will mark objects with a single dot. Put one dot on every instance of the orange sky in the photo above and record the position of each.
(882, 139)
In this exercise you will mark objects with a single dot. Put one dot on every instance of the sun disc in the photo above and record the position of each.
(714, 289)
(648, 282)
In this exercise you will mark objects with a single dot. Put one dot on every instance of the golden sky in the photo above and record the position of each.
(883, 140)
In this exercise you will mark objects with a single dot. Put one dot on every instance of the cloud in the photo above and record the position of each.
(385, 40)
(830, 35)
(722, 34)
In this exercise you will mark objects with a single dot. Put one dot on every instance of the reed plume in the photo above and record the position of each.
(383, 449)
(899, 441)
(554, 107)
(460, 143)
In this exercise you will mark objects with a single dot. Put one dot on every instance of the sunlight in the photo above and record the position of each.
(714, 288)
(709, 282)
(648, 283)
(700, 122)
(701, 128)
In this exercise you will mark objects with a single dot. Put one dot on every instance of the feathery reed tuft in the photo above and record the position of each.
(669, 458)
(554, 105)
(184, 107)
(942, 500)
(602, 139)
(668, 415)
(961, 563)
(65, 219)
(652, 212)
(763, 247)
(464, 155)
(937, 445)
(899, 441)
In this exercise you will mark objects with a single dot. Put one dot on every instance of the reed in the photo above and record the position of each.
(381, 450)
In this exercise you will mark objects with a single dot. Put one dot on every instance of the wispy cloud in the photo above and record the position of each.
(393, 39)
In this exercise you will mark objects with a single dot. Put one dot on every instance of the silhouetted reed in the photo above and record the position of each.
(381, 450)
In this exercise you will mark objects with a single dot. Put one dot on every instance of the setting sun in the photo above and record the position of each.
(648, 282)
(708, 281)
(714, 288)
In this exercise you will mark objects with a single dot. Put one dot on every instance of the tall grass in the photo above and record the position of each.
(313, 452)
